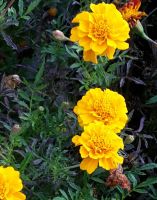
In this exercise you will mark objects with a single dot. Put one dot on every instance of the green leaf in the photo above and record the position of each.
(59, 198)
(98, 180)
(23, 104)
(152, 100)
(148, 166)
(140, 190)
(75, 65)
(20, 5)
(40, 73)
(148, 182)
(71, 53)
(24, 95)
(32, 6)
(64, 194)
(25, 162)
(132, 179)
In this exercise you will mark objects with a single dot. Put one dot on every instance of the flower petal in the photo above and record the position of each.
(90, 56)
(89, 165)
(83, 152)
(76, 140)
(110, 52)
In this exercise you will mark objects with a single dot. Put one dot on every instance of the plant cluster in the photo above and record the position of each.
(78, 79)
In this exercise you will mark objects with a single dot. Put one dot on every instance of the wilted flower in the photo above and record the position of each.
(59, 35)
(100, 32)
(10, 184)
(116, 178)
(11, 81)
(99, 146)
(130, 12)
(106, 106)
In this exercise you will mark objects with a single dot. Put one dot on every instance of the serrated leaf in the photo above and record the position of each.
(20, 5)
(152, 100)
(75, 65)
(40, 73)
(64, 194)
(148, 182)
(98, 180)
(24, 95)
(32, 6)
(22, 103)
(132, 179)
(59, 198)
(140, 190)
(71, 53)
(25, 162)
(148, 166)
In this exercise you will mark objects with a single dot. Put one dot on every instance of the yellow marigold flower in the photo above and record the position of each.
(99, 146)
(10, 184)
(130, 12)
(106, 106)
(100, 32)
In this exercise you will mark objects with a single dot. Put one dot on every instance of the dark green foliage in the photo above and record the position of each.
(54, 77)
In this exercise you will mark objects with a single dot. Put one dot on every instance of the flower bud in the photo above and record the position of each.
(129, 139)
(65, 105)
(16, 128)
(52, 11)
(59, 35)
(41, 108)
(140, 31)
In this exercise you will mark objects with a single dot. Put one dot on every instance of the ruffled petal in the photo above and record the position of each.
(89, 165)
(90, 56)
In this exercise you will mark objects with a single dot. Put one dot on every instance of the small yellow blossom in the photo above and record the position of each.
(10, 184)
(99, 146)
(100, 32)
(106, 106)
(130, 12)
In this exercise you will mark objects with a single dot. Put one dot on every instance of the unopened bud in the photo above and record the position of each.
(138, 28)
(52, 11)
(41, 108)
(65, 104)
(16, 128)
(129, 139)
(59, 35)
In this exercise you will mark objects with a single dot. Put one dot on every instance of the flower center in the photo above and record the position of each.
(98, 144)
(104, 111)
(100, 30)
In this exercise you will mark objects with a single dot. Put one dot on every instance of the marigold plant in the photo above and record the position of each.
(106, 106)
(130, 12)
(10, 184)
(99, 146)
(100, 32)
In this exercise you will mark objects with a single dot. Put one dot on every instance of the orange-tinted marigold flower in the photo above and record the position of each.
(99, 146)
(106, 106)
(100, 32)
(10, 184)
(130, 12)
